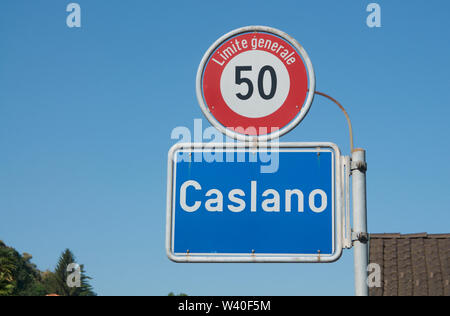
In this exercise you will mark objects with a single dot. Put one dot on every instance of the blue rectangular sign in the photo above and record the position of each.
(244, 205)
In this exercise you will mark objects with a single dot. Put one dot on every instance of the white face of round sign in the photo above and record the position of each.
(263, 68)
(255, 82)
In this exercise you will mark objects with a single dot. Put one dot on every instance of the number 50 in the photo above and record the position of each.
(240, 80)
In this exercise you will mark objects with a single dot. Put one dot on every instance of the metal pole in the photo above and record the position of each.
(361, 251)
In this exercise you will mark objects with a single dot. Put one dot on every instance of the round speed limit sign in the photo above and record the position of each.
(255, 82)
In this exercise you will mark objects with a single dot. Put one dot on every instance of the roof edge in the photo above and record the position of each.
(409, 236)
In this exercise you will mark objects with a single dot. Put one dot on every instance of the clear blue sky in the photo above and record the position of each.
(86, 116)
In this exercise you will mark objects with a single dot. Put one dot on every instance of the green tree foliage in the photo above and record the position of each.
(173, 294)
(56, 282)
(7, 283)
(20, 277)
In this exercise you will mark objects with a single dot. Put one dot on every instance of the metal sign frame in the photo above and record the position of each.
(338, 204)
(277, 134)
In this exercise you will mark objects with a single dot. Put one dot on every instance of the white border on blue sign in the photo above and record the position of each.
(257, 258)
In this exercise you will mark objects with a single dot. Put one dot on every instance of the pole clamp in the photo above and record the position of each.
(361, 237)
(359, 165)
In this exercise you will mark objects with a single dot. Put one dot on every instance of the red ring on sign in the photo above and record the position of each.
(255, 126)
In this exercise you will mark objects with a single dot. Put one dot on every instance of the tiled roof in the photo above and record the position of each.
(411, 265)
